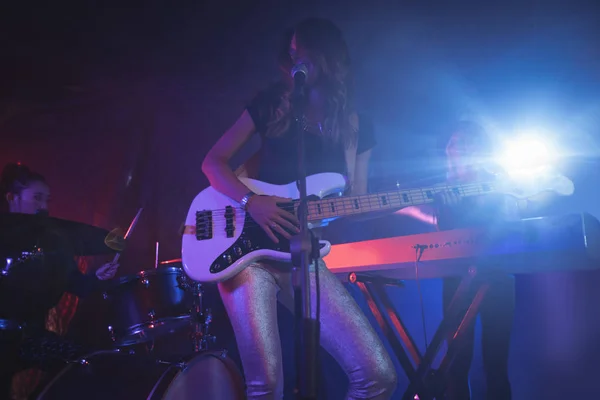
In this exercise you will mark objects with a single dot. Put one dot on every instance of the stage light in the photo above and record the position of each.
(527, 155)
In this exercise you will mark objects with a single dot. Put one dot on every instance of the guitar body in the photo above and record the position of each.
(220, 239)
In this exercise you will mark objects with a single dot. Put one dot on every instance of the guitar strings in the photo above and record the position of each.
(345, 206)
(342, 204)
(415, 196)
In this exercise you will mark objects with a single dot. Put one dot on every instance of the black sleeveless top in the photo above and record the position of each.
(31, 288)
(279, 155)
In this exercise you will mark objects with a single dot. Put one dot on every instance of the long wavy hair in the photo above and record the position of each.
(329, 52)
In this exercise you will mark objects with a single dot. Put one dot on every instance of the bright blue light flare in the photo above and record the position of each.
(527, 155)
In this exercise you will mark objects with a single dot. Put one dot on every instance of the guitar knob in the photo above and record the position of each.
(237, 250)
(227, 258)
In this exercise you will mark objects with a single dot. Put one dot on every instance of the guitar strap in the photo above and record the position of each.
(350, 156)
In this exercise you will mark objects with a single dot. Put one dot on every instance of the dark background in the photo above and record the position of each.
(118, 102)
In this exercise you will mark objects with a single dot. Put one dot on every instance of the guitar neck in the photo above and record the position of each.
(388, 201)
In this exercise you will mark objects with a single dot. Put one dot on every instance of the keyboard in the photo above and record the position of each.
(567, 242)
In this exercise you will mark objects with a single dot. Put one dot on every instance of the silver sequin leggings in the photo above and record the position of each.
(251, 302)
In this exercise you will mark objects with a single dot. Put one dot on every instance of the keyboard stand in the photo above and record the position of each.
(427, 383)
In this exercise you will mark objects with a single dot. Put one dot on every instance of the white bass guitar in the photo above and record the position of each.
(220, 239)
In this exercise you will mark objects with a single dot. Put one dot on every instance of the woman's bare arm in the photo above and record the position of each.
(216, 163)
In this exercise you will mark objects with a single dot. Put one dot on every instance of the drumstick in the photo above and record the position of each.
(129, 230)
(156, 257)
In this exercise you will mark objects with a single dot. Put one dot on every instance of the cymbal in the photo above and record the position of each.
(21, 232)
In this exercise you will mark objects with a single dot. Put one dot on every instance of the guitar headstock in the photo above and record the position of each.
(525, 187)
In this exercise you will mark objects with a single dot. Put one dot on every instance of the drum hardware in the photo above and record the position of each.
(201, 337)
(84, 360)
(111, 332)
(152, 324)
(179, 364)
(182, 365)
(149, 346)
(223, 354)
(35, 254)
(147, 305)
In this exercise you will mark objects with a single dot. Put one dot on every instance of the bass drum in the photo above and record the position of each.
(120, 375)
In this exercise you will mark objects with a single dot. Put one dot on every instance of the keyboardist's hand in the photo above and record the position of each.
(447, 199)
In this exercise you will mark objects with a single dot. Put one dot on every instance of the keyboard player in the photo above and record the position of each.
(467, 150)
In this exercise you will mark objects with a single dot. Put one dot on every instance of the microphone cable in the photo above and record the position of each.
(419, 250)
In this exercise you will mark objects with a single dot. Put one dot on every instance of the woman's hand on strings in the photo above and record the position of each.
(268, 213)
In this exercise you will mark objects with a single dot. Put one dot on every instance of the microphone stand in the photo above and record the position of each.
(303, 247)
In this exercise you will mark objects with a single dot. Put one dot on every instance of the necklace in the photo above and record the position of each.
(314, 127)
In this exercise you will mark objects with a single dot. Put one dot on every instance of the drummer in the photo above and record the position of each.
(34, 286)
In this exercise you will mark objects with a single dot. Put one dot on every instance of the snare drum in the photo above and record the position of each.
(119, 375)
(148, 304)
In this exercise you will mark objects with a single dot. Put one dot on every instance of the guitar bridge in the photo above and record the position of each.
(204, 226)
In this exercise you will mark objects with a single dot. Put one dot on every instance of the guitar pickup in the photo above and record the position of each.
(229, 221)
(204, 225)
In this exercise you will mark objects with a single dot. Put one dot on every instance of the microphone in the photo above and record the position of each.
(299, 73)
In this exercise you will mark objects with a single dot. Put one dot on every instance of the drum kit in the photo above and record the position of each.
(149, 305)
